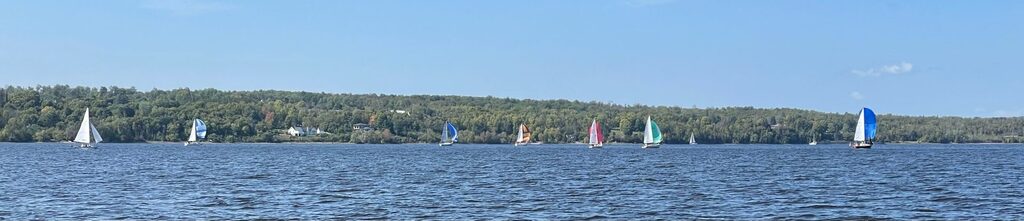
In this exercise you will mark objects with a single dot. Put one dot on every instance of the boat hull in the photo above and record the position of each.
(520, 144)
(596, 145)
(444, 144)
(861, 145)
(653, 145)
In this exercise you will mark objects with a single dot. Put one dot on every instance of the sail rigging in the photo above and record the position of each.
(454, 133)
(87, 133)
(198, 131)
(652, 134)
(866, 127)
(449, 134)
(524, 135)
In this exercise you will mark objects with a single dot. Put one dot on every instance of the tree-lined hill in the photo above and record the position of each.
(53, 113)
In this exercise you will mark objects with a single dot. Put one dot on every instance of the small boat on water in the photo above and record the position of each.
(813, 142)
(866, 126)
(692, 140)
(198, 132)
(523, 138)
(596, 136)
(652, 134)
(87, 136)
(449, 135)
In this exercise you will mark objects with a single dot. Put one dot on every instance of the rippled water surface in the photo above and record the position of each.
(318, 181)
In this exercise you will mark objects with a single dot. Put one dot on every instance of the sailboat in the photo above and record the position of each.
(87, 135)
(523, 138)
(813, 142)
(652, 134)
(866, 126)
(596, 136)
(198, 132)
(449, 135)
(692, 141)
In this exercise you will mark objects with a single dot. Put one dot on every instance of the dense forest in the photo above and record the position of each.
(53, 113)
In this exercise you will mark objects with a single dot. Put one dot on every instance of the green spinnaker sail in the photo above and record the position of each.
(655, 132)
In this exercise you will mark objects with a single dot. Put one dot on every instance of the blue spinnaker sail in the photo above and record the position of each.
(454, 133)
(200, 129)
(869, 124)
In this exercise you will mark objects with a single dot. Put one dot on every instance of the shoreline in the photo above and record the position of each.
(342, 143)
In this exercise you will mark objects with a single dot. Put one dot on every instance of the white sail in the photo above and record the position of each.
(859, 134)
(519, 138)
(593, 133)
(95, 134)
(192, 135)
(648, 134)
(84, 131)
(444, 133)
(692, 140)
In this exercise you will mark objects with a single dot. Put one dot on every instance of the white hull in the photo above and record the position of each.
(191, 143)
(596, 145)
(520, 144)
(858, 145)
(444, 144)
(85, 145)
(653, 145)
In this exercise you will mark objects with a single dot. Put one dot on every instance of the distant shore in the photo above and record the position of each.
(343, 143)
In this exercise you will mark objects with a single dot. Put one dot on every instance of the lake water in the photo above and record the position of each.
(320, 181)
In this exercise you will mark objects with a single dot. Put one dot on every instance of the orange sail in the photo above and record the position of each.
(524, 134)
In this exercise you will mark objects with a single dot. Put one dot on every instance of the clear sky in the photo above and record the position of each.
(926, 57)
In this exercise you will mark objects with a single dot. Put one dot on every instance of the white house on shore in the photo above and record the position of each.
(304, 131)
(361, 127)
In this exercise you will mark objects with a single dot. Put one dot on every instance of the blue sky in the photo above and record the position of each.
(962, 58)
